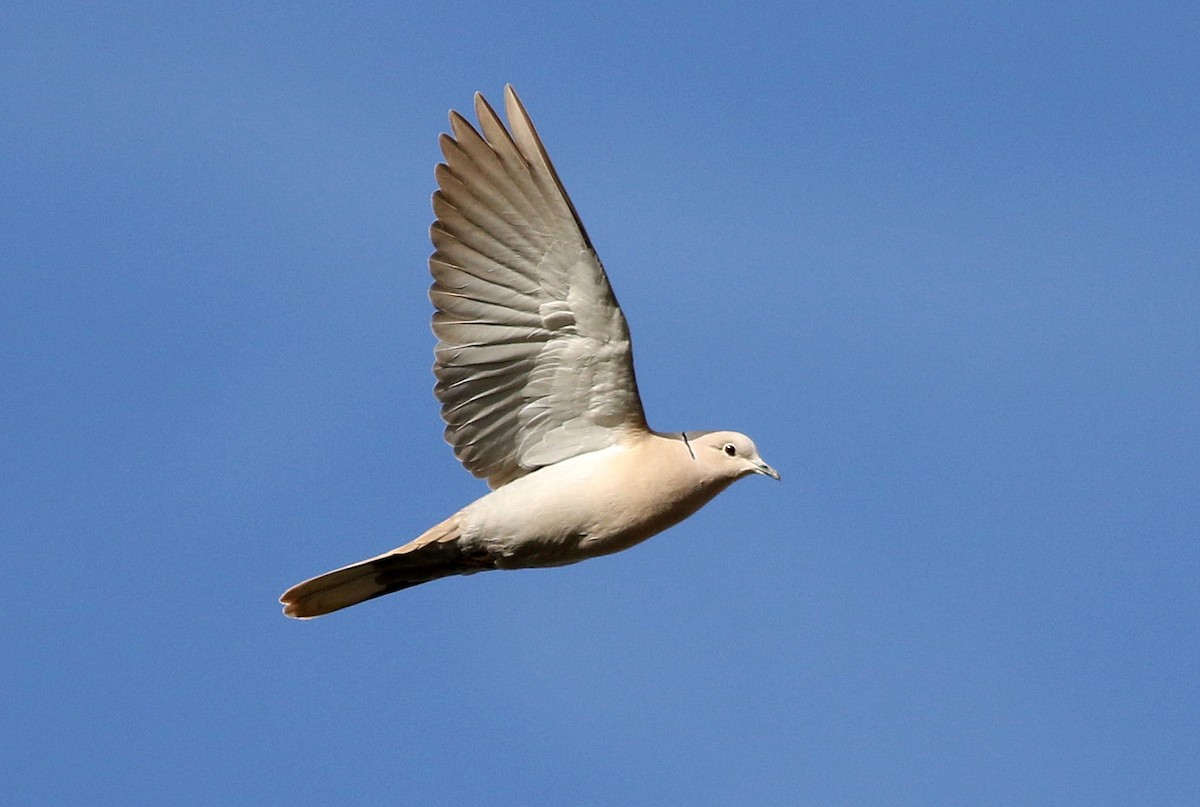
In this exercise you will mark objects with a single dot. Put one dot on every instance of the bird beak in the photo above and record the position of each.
(766, 470)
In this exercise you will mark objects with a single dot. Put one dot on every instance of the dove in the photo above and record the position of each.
(535, 378)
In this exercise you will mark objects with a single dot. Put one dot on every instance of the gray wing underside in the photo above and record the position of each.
(533, 362)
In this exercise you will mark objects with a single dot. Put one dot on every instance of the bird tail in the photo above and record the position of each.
(435, 554)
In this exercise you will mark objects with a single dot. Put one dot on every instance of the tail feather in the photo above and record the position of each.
(435, 554)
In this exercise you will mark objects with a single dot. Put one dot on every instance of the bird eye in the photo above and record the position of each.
(730, 450)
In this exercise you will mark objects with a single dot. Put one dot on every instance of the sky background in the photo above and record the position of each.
(941, 262)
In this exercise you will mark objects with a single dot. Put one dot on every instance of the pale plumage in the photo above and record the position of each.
(534, 363)
(535, 376)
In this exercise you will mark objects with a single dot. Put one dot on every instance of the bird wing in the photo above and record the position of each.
(534, 363)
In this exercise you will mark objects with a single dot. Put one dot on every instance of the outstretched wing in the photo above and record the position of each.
(533, 363)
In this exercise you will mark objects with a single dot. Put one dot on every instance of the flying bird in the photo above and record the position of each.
(535, 377)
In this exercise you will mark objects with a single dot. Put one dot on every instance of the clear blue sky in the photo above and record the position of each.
(942, 263)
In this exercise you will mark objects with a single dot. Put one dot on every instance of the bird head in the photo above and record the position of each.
(727, 455)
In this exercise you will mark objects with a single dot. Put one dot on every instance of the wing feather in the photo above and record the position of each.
(533, 363)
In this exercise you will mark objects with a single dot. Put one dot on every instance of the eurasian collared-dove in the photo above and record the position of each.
(535, 377)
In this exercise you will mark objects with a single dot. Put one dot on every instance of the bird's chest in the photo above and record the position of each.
(573, 511)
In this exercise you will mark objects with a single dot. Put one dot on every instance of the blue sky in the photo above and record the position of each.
(941, 262)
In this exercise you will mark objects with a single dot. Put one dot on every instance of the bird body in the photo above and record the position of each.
(590, 505)
(535, 376)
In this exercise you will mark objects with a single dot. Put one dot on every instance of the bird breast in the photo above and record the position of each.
(592, 504)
